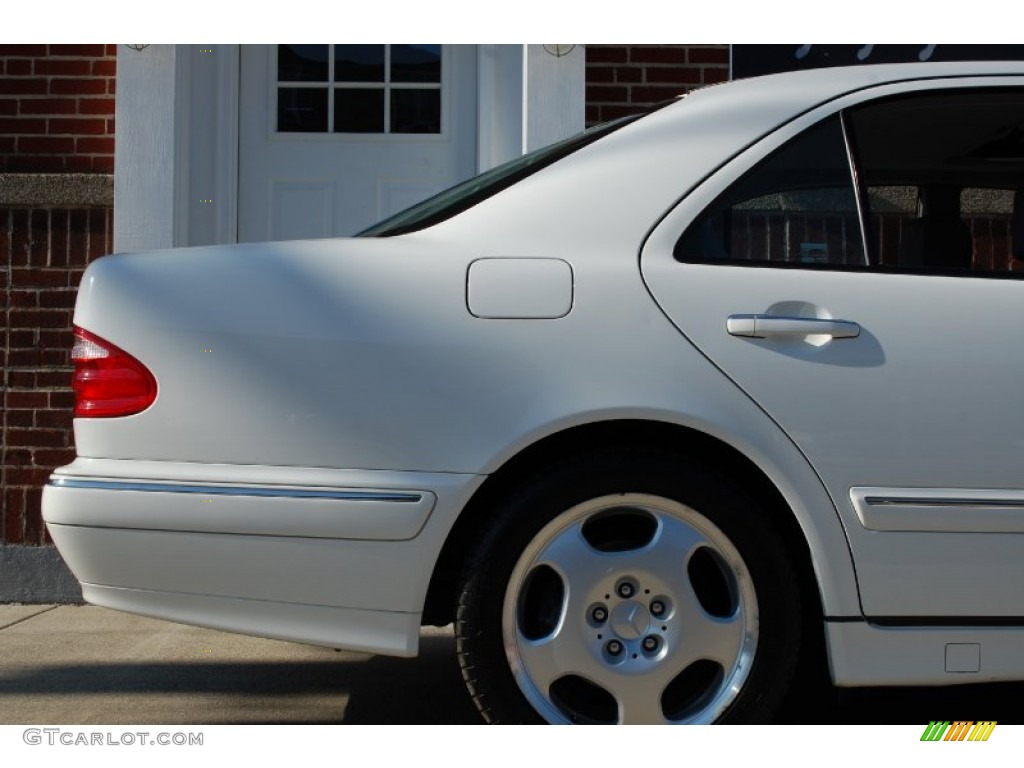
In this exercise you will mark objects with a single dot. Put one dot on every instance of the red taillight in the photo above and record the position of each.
(108, 381)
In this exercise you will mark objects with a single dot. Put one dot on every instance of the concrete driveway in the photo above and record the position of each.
(88, 665)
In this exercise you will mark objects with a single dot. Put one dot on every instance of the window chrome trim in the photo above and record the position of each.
(235, 490)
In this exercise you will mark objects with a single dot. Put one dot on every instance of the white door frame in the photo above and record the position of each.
(176, 145)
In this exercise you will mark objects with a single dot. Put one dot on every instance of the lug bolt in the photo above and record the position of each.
(626, 590)
(650, 643)
(599, 615)
(658, 608)
(614, 647)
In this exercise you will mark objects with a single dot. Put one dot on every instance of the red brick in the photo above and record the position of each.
(23, 50)
(78, 50)
(23, 299)
(57, 299)
(8, 106)
(78, 237)
(59, 237)
(91, 126)
(629, 74)
(26, 399)
(78, 163)
(46, 144)
(65, 398)
(57, 66)
(104, 67)
(30, 476)
(613, 93)
(23, 380)
(103, 164)
(52, 458)
(23, 85)
(37, 438)
(21, 417)
(715, 75)
(24, 358)
(94, 146)
(19, 236)
(59, 338)
(39, 247)
(39, 318)
(600, 75)
(14, 510)
(36, 164)
(34, 528)
(615, 111)
(681, 75)
(22, 126)
(58, 419)
(54, 379)
(653, 94)
(17, 67)
(669, 54)
(18, 456)
(77, 85)
(96, 106)
(98, 245)
(22, 338)
(112, 86)
(47, 107)
(610, 54)
(708, 55)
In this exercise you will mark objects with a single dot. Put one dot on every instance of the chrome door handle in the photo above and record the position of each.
(765, 326)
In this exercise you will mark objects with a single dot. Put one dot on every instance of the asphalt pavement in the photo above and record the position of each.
(87, 665)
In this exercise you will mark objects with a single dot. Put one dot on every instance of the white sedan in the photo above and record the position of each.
(649, 415)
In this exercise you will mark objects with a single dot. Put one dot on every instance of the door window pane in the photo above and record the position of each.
(957, 159)
(415, 111)
(359, 110)
(416, 63)
(796, 208)
(302, 63)
(302, 110)
(359, 63)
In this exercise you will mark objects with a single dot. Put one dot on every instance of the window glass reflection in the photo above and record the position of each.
(359, 63)
(415, 111)
(302, 63)
(302, 110)
(416, 63)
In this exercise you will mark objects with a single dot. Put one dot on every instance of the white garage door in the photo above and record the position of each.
(336, 137)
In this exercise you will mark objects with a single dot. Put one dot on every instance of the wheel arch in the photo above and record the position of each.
(631, 436)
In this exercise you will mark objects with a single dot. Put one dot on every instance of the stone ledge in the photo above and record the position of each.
(57, 190)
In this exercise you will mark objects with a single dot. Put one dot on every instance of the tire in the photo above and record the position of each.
(628, 589)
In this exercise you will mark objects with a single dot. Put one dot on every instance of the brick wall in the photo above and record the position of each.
(625, 79)
(43, 253)
(57, 108)
(56, 157)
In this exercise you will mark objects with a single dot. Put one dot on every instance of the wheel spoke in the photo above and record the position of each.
(570, 555)
(639, 698)
(563, 653)
(669, 551)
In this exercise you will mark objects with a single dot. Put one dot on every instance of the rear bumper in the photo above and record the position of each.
(331, 557)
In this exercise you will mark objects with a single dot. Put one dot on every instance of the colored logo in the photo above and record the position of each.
(961, 730)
